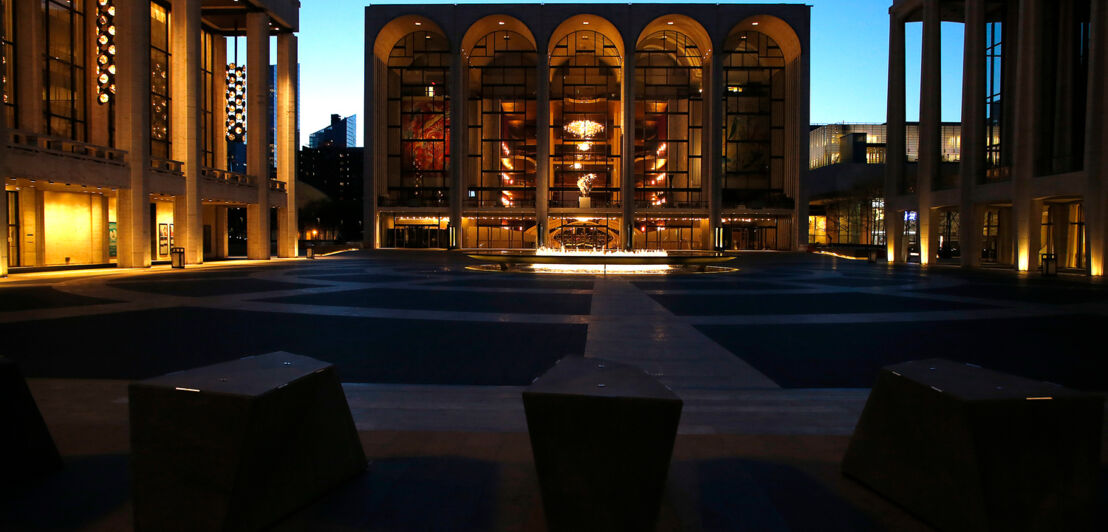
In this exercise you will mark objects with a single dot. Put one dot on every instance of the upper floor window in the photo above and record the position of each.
(64, 72)
(159, 80)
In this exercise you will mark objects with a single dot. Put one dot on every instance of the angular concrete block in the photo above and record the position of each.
(602, 436)
(238, 445)
(27, 449)
(966, 448)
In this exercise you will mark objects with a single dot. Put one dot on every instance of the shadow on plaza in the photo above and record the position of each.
(410, 493)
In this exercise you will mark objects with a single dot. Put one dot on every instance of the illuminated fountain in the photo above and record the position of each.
(602, 261)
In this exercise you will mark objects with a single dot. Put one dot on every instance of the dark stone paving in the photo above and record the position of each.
(707, 282)
(494, 281)
(1053, 295)
(137, 345)
(206, 287)
(849, 355)
(858, 282)
(840, 303)
(397, 298)
(360, 277)
(19, 298)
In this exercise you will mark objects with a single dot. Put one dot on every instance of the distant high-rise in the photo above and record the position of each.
(341, 133)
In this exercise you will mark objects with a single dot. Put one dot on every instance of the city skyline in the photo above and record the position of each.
(848, 36)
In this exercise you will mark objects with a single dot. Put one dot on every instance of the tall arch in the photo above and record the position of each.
(586, 22)
(500, 169)
(763, 143)
(684, 24)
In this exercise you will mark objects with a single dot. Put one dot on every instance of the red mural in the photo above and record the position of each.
(427, 135)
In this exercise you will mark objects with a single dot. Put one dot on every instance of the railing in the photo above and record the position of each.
(66, 147)
(647, 204)
(496, 204)
(168, 166)
(227, 177)
(277, 185)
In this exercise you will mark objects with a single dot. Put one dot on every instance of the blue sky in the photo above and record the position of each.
(849, 60)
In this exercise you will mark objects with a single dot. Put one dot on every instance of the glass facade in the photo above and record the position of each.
(207, 100)
(64, 72)
(500, 169)
(994, 103)
(753, 120)
(669, 112)
(159, 81)
(418, 120)
(585, 121)
(7, 63)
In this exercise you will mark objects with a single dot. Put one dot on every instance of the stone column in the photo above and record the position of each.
(542, 153)
(370, 154)
(1025, 216)
(714, 122)
(972, 165)
(706, 150)
(219, 101)
(286, 142)
(185, 115)
(895, 139)
(4, 216)
(257, 132)
(930, 107)
(457, 146)
(627, 150)
(30, 42)
(1096, 140)
(132, 111)
(219, 232)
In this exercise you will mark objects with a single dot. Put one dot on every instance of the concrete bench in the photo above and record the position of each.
(239, 445)
(966, 448)
(27, 449)
(602, 436)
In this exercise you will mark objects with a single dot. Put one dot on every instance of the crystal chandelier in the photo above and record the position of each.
(105, 51)
(236, 102)
(584, 128)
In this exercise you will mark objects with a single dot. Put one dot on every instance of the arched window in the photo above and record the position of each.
(753, 120)
(668, 121)
(501, 114)
(585, 121)
(419, 120)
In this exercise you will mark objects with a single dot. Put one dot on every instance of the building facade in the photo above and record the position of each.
(1030, 182)
(341, 133)
(845, 186)
(336, 172)
(592, 125)
(114, 130)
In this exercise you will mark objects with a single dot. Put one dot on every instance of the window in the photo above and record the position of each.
(754, 120)
(207, 100)
(994, 105)
(159, 81)
(64, 73)
(7, 64)
(668, 121)
(502, 112)
(419, 121)
(585, 119)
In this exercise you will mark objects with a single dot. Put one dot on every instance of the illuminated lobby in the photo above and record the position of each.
(115, 120)
(586, 126)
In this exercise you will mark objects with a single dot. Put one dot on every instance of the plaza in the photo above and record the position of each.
(773, 361)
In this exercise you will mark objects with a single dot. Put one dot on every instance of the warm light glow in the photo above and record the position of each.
(236, 103)
(638, 269)
(562, 252)
(584, 183)
(584, 128)
(105, 60)
(584, 146)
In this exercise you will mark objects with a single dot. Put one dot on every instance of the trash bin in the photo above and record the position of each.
(871, 257)
(1048, 264)
(309, 251)
(177, 257)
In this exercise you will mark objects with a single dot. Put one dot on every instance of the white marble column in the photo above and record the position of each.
(1096, 140)
(895, 140)
(132, 111)
(627, 150)
(930, 108)
(457, 147)
(542, 148)
(185, 114)
(286, 143)
(1025, 213)
(257, 132)
(972, 165)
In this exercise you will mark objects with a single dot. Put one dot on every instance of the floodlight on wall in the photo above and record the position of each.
(105, 51)
(236, 102)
